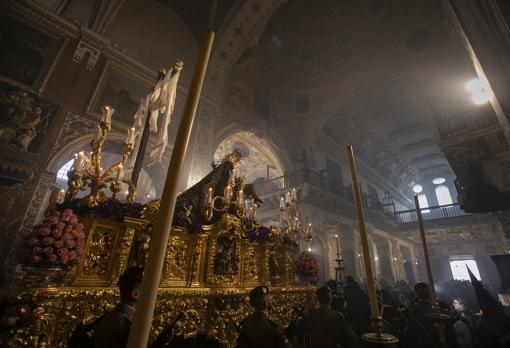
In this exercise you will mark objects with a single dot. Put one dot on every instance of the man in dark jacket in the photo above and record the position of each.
(113, 330)
(328, 327)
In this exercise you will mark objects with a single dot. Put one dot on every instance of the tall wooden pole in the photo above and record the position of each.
(438, 317)
(142, 320)
(425, 249)
(378, 337)
(144, 140)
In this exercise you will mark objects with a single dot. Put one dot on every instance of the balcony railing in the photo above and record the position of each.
(430, 213)
(457, 124)
(371, 201)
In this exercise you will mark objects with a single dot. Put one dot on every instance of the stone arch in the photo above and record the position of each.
(259, 155)
(146, 184)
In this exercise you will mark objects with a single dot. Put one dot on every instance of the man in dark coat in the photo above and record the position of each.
(328, 327)
(257, 330)
(113, 329)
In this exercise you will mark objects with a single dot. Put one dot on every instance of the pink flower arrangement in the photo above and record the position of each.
(306, 267)
(58, 240)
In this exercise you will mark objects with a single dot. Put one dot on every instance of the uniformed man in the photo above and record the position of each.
(113, 329)
(257, 330)
(328, 327)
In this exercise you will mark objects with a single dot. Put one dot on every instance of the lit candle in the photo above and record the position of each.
(120, 173)
(209, 197)
(293, 195)
(240, 197)
(131, 136)
(79, 161)
(107, 114)
(234, 173)
(287, 197)
(282, 203)
(98, 133)
(337, 245)
(228, 193)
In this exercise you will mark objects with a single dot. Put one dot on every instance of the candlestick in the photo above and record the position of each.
(254, 211)
(240, 197)
(378, 337)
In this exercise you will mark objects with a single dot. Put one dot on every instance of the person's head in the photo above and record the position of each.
(422, 291)
(349, 279)
(259, 298)
(129, 285)
(458, 304)
(332, 284)
(504, 298)
(324, 295)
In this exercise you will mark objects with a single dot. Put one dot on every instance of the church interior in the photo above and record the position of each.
(212, 145)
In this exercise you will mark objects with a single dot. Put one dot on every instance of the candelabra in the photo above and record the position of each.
(245, 208)
(289, 217)
(87, 172)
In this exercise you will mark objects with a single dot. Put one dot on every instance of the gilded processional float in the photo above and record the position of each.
(217, 251)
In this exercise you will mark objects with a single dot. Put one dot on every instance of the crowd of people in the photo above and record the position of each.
(340, 318)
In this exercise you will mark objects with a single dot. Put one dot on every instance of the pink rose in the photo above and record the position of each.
(70, 243)
(48, 250)
(45, 231)
(62, 251)
(67, 236)
(68, 211)
(68, 229)
(53, 258)
(57, 233)
(73, 255)
(59, 244)
(48, 241)
(78, 227)
(37, 250)
(36, 258)
(73, 220)
(61, 225)
(80, 243)
(34, 242)
(54, 218)
(64, 259)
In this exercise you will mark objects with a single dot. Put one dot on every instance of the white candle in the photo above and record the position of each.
(120, 173)
(254, 211)
(209, 197)
(293, 195)
(228, 193)
(282, 203)
(287, 197)
(79, 161)
(240, 197)
(131, 136)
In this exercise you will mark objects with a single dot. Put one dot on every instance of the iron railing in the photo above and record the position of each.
(371, 201)
(430, 213)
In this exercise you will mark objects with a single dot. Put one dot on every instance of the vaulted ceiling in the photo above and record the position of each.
(365, 72)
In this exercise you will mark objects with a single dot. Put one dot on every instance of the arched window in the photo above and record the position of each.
(424, 203)
(443, 195)
(62, 172)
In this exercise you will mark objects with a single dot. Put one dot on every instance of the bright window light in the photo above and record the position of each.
(62, 172)
(443, 195)
(459, 269)
(438, 181)
(480, 91)
(424, 203)
(417, 188)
